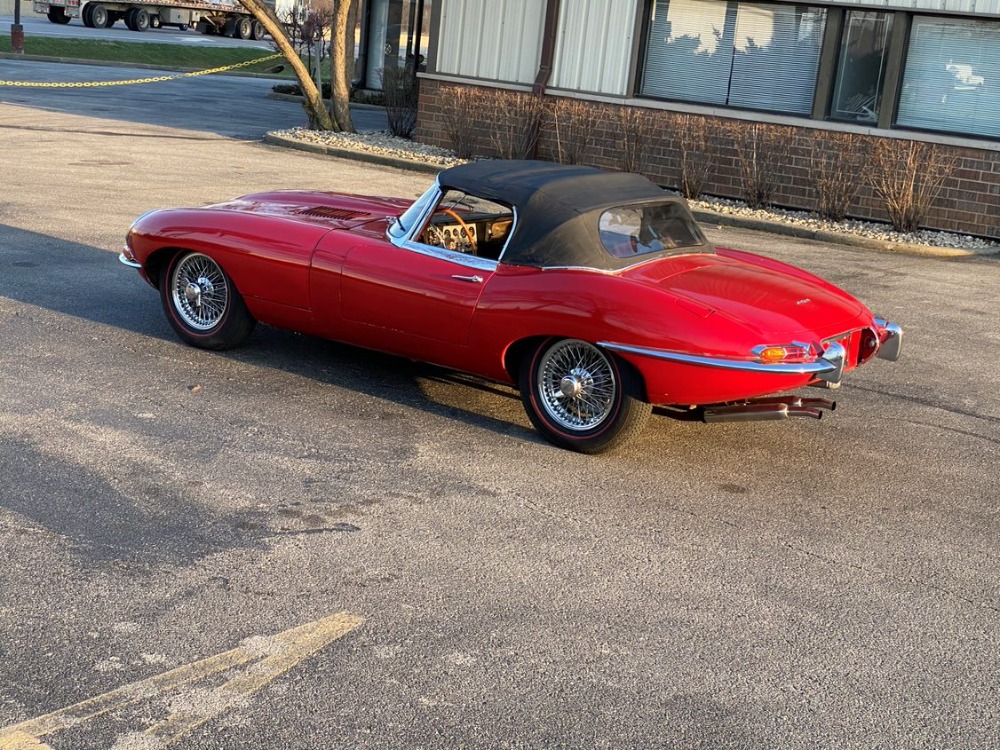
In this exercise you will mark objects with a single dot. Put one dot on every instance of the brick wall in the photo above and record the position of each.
(969, 201)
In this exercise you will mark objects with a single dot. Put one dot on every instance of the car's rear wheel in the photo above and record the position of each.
(202, 303)
(581, 398)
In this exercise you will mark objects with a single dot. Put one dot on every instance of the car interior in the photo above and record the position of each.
(467, 224)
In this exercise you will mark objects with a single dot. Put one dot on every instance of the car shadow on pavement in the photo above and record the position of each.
(89, 283)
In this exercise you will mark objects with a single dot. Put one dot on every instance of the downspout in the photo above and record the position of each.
(548, 47)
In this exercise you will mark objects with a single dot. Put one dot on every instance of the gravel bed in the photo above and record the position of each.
(381, 142)
(375, 142)
(857, 227)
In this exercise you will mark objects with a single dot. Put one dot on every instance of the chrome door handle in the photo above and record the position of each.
(472, 279)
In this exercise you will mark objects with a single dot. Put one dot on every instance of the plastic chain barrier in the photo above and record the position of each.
(156, 79)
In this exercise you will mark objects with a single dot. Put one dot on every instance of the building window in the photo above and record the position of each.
(857, 93)
(951, 80)
(740, 54)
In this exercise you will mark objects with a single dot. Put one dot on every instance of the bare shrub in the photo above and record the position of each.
(575, 123)
(515, 119)
(908, 176)
(635, 131)
(457, 102)
(698, 144)
(837, 161)
(757, 148)
(399, 86)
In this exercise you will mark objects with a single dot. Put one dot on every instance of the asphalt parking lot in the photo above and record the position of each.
(299, 544)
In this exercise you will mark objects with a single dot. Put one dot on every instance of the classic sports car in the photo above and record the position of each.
(595, 293)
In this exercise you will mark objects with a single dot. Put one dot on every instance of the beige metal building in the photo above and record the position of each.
(925, 70)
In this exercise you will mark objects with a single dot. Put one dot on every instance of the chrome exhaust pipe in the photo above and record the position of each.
(746, 413)
(769, 409)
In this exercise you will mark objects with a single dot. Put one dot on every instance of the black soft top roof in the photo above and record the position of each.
(558, 207)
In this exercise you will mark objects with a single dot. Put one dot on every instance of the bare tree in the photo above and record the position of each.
(315, 108)
(908, 176)
(342, 50)
(456, 103)
(698, 144)
(837, 160)
(635, 130)
(399, 86)
(575, 123)
(757, 149)
(515, 119)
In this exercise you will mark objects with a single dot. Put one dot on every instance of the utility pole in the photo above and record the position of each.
(17, 31)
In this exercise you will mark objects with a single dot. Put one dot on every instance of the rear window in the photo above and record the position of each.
(628, 231)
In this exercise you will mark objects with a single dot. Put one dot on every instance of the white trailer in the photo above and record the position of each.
(225, 17)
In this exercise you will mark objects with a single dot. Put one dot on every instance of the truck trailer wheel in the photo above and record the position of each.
(57, 15)
(98, 16)
(141, 19)
(243, 29)
(154, 21)
(258, 32)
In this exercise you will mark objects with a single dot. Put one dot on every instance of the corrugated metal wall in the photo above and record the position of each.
(499, 40)
(594, 45)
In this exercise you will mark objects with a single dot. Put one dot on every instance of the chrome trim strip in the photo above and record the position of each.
(130, 263)
(827, 365)
(471, 261)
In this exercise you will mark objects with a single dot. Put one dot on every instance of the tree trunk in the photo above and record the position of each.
(342, 39)
(313, 105)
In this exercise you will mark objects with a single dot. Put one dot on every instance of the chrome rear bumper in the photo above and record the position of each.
(890, 340)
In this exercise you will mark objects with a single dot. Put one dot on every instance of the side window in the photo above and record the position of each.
(467, 224)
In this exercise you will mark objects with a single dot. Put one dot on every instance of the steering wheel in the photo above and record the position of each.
(465, 227)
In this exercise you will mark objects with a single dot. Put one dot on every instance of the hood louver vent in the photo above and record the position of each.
(326, 212)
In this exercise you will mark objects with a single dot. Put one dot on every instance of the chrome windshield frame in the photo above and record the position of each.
(427, 204)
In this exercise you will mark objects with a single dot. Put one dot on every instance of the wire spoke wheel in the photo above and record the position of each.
(202, 304)
(200, 292)
(577, 385)
(581, 398)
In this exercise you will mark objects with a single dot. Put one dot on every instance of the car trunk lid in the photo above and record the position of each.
(776, 304)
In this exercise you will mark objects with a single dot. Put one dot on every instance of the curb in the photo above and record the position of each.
(821, 235)
(343, 153)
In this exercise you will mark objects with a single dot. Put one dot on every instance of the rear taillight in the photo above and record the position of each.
(867, 345)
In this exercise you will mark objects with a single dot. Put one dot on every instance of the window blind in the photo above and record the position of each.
(951, 80)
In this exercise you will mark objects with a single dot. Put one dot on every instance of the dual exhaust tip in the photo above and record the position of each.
(769, 409)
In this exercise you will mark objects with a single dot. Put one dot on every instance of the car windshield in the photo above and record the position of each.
(400, 228)
(628, 231)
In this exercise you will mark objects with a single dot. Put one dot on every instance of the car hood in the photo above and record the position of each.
(772, 302)
(335, 210)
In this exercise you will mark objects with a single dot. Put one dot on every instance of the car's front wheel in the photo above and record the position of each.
(580, 397)
(202, 303)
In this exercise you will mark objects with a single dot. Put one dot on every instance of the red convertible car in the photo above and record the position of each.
(595, 293)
